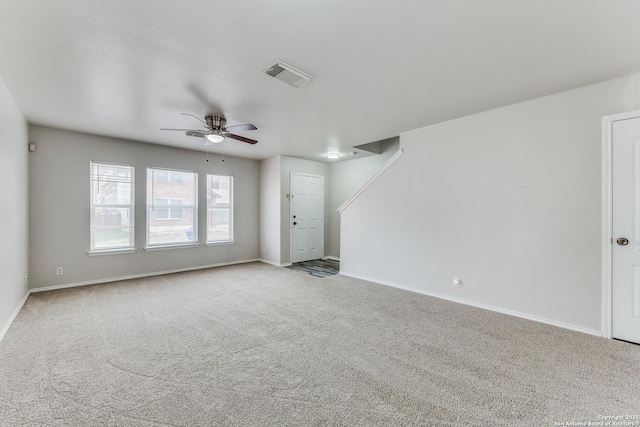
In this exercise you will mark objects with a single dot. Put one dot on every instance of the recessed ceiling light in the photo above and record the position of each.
(333, 155)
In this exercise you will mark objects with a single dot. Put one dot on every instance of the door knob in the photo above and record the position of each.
(622, 241)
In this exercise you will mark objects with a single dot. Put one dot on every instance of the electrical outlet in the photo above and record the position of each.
(59, 271)
(457, 281)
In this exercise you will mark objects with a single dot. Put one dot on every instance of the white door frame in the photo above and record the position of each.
(607, 216)
(291, 212)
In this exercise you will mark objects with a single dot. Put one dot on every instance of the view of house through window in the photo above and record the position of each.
(219, 208)
(172, 207)
(111, 206)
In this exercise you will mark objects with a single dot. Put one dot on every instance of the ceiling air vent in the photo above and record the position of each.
(288, 74)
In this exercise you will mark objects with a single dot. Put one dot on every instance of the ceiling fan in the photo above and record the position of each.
(216, 130)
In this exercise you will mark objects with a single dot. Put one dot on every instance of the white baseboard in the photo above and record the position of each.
(483, 306)
(266, 261)
(332, 258)
(138, 276)
(14, 315)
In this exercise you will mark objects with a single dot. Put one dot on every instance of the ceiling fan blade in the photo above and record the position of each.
(187, 130)
(200, 120)
(237, 128)
(241, 138)
(197, 133)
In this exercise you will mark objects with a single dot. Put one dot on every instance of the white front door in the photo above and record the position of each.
(626, 230)
(307, 217)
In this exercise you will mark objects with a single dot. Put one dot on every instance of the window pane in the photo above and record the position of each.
(177, 213)
(110, 238)
(167, 224)
(181, 186)
(219, 208)
(169, 230)
(112, 184)
(177, 176)
(112, 219)
(161, 175)
(219, 225)
(161, 213)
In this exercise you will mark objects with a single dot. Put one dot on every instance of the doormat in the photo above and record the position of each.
(318, 267)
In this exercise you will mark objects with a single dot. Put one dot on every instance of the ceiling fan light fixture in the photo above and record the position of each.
(214, 138)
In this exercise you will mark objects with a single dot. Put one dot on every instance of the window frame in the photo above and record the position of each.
(230, 209)
(151, 207)
(93, 250)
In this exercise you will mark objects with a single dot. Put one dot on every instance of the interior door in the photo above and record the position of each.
(626, 230)
(307, 217)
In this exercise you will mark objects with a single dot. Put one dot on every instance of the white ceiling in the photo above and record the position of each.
(126, 68)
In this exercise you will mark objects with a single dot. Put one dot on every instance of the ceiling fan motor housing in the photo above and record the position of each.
(215, 122)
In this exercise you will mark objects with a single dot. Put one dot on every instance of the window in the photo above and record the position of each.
(112, 220)
(219, 208)
(168, 224)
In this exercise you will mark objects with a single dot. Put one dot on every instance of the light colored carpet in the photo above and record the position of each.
(257, 345)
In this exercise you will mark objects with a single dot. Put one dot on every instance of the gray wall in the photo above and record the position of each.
(270, 210)
(509, 200)
(14, 215)
(346, 178)
(59, 196)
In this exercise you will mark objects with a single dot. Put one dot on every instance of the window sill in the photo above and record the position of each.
(112, 252)
(221, 242)
(167, 247)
